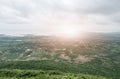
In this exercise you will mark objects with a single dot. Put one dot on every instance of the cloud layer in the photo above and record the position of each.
(48, 16)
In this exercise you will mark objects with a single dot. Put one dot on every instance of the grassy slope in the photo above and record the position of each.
(38, 74)
(94, 67)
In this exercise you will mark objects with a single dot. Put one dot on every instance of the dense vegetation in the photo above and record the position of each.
(38, 74)
(95, 54)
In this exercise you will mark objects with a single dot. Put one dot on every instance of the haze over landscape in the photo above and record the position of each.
(52, 16)
(59, 39)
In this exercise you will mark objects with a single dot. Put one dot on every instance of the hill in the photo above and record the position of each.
(94, 54)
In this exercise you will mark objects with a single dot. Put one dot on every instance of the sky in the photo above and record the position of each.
(50, 16)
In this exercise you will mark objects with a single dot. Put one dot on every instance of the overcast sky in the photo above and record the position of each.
(48, 16)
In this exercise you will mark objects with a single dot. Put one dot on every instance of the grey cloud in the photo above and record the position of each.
(53, 13)
(99, 6)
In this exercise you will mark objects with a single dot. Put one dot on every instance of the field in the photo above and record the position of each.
(94, 56)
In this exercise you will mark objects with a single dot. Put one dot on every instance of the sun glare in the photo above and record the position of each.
(70, 32)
